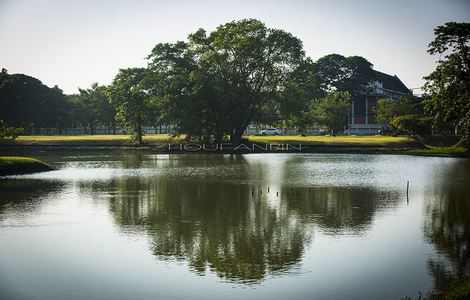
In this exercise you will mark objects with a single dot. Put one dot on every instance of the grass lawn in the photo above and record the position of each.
(78, 138)
(442, 151)
(432, 146)
(10, 165)
(347, 140)
(163, 138)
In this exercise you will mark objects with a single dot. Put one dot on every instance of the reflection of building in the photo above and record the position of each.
(362, 119)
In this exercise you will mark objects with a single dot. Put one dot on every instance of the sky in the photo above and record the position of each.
(75, 43)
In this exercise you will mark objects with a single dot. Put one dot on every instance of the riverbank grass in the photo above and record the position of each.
(431, 146)
(440, 151)
(12, 165)
(56, 139)
(349, 140)
(165, 138)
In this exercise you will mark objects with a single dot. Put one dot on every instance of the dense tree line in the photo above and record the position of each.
(27, 103)
(212, 86)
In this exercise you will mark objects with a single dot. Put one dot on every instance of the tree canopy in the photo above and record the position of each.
(332, 111)
(128, 94)
(387, 109)
(226, 75)
(344, 74)
(27, 103)
(449, 84)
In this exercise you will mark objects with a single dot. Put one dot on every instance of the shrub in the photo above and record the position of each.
(412, 124)
(9, 132)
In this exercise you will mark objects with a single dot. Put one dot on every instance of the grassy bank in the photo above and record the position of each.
(118, 139)
(165, 138)
(434, 146)
(372, 144)
(11, 165)
(335, 140)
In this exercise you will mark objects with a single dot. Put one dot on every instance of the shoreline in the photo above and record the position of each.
(165, 144)
(306, 149)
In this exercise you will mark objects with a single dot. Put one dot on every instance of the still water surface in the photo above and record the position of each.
(257, 226)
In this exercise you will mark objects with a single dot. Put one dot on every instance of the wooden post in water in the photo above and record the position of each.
(407, 188)
(268, 189)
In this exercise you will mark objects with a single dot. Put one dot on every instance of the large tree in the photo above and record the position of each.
(129, 96)
(233, 72)
(449, 84)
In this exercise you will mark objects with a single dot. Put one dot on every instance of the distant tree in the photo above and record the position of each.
(128, 95)
(87, 106)
(28, 103)
(7, 132)
(449, 84)
(332, 111)
(91, 108)
(387, 109)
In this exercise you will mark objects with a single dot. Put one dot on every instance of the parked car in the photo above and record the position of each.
(271, 131)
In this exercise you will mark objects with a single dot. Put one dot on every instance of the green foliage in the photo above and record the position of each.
(28, 103)
(449, 84)
(217, 84)
(133, 105)
(344, 74)
(332, 111)
(298, 96)
(412, 124)
(295, 107)
(9, 132)
(388, 109)
(91, 108)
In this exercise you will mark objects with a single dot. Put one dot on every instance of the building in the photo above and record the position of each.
(362, 118)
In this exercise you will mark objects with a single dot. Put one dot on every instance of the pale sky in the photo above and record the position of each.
(74, 43)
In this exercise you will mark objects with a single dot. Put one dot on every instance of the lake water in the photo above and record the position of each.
(257, 226)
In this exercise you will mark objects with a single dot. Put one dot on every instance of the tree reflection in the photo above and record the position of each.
(336, 210)
(216, 226)
(18, 195)
(228, 229)
(447, 224)
(217, 214)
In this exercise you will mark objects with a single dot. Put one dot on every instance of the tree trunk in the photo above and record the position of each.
(139, 130)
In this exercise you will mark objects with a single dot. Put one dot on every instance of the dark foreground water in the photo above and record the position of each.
(269, 226)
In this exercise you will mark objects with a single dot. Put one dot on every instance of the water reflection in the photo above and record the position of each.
(23, 198)
(342, 210)
(325, 226)
(220, 227)
(241, 223)
(447, 223)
